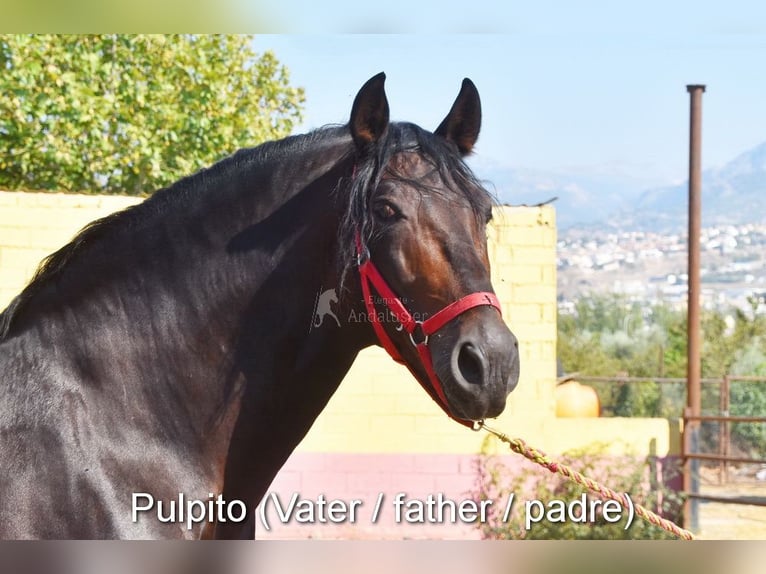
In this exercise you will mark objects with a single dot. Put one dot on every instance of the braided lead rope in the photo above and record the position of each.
(519, 446)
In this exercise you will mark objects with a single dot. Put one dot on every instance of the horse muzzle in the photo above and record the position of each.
(483, 366)
(477, 361)
(468, 354)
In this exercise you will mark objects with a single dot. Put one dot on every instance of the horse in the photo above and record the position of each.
(169, 352)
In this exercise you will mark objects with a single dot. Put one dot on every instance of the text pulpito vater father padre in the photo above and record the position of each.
(432, 509)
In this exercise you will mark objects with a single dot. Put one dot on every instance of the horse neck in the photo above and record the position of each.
(194, 313)
(248, 286)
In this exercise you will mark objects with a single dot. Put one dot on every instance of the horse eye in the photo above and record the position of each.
(385, 211)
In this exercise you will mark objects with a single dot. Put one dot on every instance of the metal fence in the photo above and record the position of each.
(696, 444)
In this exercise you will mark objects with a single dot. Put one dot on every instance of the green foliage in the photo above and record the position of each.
(607, 335)
(133, 113)
(748, 398)
(636, 476)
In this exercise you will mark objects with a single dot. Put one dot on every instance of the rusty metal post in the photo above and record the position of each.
(693, 365)
(721, 432)
(693, 369)
(726, 392)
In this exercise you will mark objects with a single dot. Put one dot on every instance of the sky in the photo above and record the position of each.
(594, 91)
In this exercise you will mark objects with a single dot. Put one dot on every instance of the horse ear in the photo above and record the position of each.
(463, 122)
(369, 114)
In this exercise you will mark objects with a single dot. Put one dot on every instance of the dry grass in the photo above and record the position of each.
(721, 521)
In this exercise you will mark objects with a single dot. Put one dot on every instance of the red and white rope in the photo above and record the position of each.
(519, 446)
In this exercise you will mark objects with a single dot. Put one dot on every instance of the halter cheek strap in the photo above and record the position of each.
(418, 331)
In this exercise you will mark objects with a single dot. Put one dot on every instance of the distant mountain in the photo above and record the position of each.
(581, 197)
(733, 194)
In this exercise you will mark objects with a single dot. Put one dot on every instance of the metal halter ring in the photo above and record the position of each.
(362, 257)
(418, 328)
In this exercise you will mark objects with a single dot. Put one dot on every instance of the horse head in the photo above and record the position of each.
(420, 219)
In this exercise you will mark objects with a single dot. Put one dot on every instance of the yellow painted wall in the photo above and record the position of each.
(380, 407)
(33, 225)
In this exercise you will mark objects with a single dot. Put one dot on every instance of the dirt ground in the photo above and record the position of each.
(721, 521)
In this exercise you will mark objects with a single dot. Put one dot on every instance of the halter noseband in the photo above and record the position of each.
(418, 331)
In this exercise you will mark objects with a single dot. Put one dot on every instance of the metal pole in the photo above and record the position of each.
(725, 424)
(693, 365)
(693, 372)
(721, 432)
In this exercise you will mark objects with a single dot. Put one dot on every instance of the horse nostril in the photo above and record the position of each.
(470, 364)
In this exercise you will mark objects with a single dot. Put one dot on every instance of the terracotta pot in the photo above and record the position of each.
(576, 400)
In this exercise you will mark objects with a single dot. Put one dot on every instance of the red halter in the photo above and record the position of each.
(419, 331)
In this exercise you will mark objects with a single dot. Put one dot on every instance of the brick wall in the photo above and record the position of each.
(381, 433)
(33, 225)
(381, 408)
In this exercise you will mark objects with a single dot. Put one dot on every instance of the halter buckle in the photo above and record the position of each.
(362, 255)
(362, 251)
(421, 335)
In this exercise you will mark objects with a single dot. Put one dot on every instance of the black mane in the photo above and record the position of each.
(186, 345)
(191, 193)
(400, 137)
(188, 193)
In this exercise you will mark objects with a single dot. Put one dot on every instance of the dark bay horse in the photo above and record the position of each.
(171, 349)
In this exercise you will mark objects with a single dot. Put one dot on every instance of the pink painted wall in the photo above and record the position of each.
(364, 476)
(347, 477)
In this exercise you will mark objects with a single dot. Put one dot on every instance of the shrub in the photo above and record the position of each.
(638, 476)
